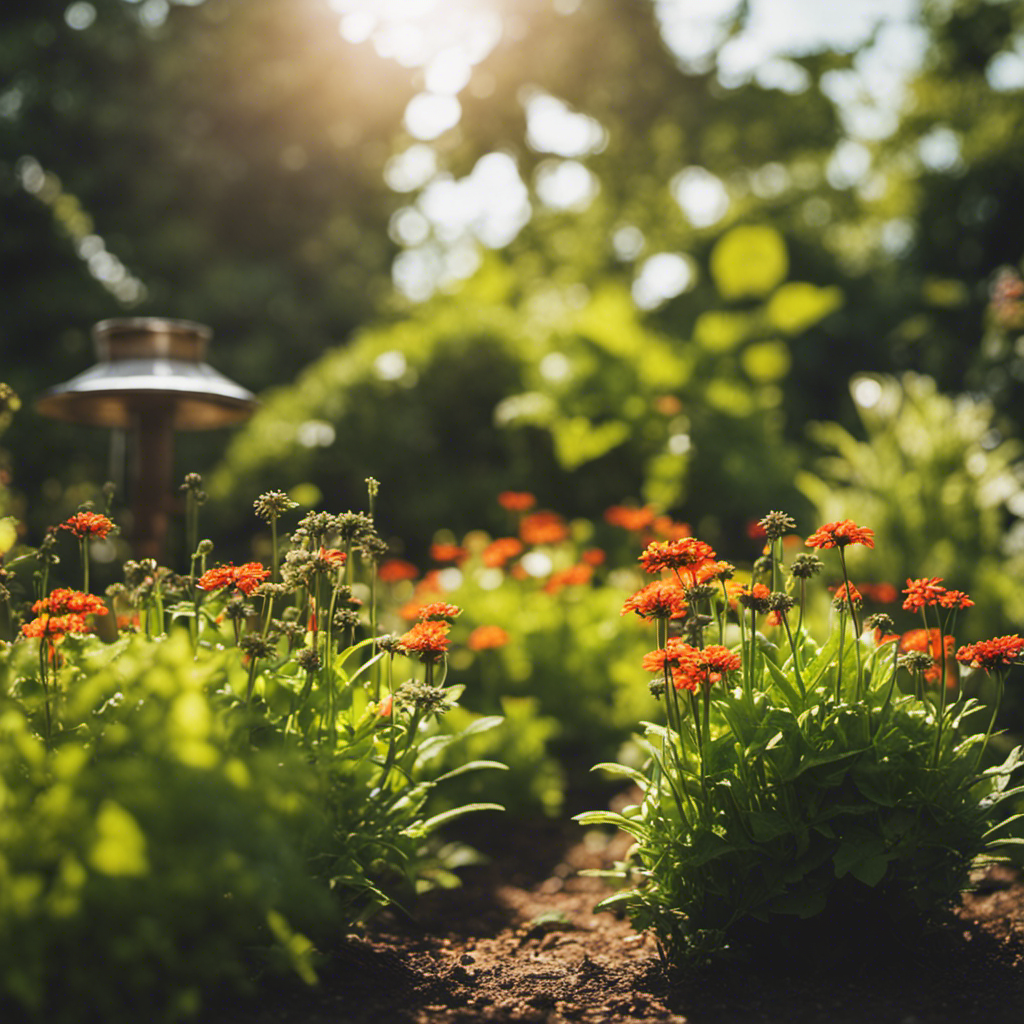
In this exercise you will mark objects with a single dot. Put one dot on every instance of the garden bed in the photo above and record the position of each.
(519, 942)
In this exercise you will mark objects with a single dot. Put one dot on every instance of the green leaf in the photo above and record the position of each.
(482, 725)
(602, 818)
(471, 766)
(613, 768)
(858, 852)
(787, 687)
(768, 825)
(871, 870)
(425, 827)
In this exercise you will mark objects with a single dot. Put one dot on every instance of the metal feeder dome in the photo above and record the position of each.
(144, 363)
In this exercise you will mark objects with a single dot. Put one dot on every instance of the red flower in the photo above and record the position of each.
(990, 654)
(439, 611)
(841, 533)
(427, 641)
(955, 599)
(662, 599)
(88, 524)
(516, 501)
(500, 551)
(921, 592)
(245, 578)
(685, 554)
(574, 576)
(543, 528)
(394, 570)
(486, 637)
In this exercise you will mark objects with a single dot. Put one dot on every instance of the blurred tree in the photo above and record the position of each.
(247, 165)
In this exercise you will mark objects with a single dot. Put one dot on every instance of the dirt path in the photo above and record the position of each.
(520, 942)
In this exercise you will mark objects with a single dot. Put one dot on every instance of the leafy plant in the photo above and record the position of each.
(229, 784)
(941, 481)
(790, 776)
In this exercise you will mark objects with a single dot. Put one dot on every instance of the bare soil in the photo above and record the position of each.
(520, 942)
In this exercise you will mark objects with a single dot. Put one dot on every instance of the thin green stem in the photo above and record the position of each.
(796, 660)
(83, 547)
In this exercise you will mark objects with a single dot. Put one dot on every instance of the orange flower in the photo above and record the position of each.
(574, 576)
(332, 556)
(88, 524)
(955, 599)
(662, 599)
(394, 570)
(516, 501)
(989, 654)
(628, 517)
(486, 637)
(593, 556)
(500, 551)
(926, 640)
(714, 571)
(692, 666)
(841, 533)
(543, 528)
(52, 627)
(704, 666)
(439, 611)
(880, 593)
(447, 553)
(846, 596)
(922, 592)
(245, 578)
(685, 554)
(62, 601)
(668, 528)
(755, 597)
(427, 641)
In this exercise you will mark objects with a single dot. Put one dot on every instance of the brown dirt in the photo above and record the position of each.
(520, 942)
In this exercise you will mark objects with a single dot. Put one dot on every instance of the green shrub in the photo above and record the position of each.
(791, 777)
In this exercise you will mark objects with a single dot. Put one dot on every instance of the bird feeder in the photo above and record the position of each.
(151, 380)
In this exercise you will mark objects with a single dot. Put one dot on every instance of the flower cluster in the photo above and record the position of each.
(929, 592)
(685, 556)
(999, 652)
(88, 524)
(245, 578)
(841, 533)
(428, 641)
(692, 667)
(662, 599)
(63, 611)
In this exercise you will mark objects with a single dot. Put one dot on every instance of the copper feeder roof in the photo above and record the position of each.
(145, 364)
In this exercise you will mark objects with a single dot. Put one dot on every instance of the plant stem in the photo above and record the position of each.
(83, 546)
(796, 660)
